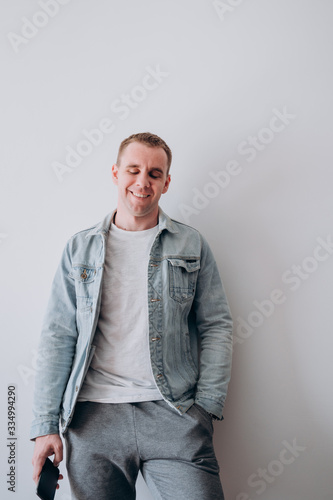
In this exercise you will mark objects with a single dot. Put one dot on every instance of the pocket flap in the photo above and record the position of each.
(190, 265)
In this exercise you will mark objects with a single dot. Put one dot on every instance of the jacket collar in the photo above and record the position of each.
(164, 222)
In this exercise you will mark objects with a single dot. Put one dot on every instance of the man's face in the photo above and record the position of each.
(141, 178)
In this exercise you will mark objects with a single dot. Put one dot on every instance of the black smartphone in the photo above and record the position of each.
(48, 480)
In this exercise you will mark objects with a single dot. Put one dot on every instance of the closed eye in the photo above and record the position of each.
(156, 173)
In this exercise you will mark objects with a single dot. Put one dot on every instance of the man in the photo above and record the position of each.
(135, 351)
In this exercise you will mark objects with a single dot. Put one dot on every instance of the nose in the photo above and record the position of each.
(143, 180)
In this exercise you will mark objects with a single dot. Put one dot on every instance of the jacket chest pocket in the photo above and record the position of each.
(84, 286)
(182, 278)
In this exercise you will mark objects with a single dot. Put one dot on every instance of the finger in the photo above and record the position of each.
(37, 469)
(58, 456)
(60, 477)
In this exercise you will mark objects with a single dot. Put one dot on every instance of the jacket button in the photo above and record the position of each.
(76, 388)
(154, 300)
(159, 375)
(155, 338)
(84, 275)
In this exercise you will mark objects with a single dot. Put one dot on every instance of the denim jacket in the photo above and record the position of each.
(190, 327)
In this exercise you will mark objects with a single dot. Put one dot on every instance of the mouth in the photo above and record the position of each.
(139, 195)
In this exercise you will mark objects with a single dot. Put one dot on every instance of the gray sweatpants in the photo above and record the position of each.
(108, 444)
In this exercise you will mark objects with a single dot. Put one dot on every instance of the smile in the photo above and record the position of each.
(139, 195)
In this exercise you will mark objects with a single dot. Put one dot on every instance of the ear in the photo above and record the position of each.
(166, 185)
(114, 173)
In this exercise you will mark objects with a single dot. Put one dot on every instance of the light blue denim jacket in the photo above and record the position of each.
(190, 327)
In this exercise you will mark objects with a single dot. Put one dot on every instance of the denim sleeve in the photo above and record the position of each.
(55, 352)
(214, 326)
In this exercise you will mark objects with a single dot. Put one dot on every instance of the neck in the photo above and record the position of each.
(134, 223)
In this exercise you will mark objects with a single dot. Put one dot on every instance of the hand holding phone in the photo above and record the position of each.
(48, 480)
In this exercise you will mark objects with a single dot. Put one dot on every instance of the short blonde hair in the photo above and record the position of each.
(150, 140)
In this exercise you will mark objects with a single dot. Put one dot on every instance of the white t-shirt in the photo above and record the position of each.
(120, 370)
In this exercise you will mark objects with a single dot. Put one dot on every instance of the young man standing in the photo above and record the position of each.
(135, 351)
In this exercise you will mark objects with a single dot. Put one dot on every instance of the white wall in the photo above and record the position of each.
(226, 71)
